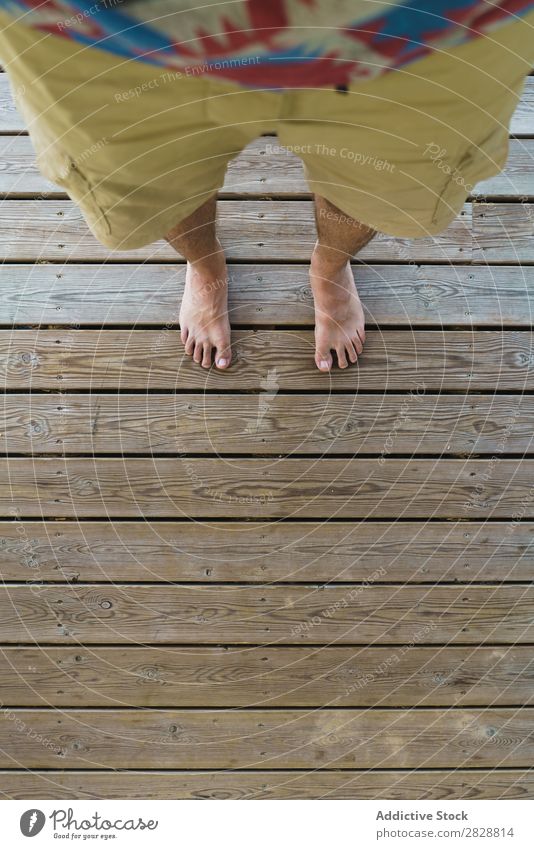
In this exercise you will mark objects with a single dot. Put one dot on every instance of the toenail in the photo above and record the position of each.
(324, 364)
(222, 363)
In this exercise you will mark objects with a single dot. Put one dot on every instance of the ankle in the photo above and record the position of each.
(327, 260)
(210, 263)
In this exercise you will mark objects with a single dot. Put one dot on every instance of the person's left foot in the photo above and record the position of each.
(339, 316)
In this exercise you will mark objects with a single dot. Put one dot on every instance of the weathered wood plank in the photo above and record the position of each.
(10, 119)
(301, 615)
(256, 231)
(516, 179)
(277, 230)
(503, 232)
(523, 118)
(266, 677)
(184, 487)
(272, 424)
(264, 294)
(265, 552)
(264, 167)
(249, 230)
(267, 739)
(258, 784)
(522, 121)
(19, 173)
(413, 361)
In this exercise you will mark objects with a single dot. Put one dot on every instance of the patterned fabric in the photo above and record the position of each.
(271, 43)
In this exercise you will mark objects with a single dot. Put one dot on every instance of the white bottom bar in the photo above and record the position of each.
(268, 824)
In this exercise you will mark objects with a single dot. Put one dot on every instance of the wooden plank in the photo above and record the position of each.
(272, 424)
(265, 552)
(412, 361)
(522, 121)
(19, 173)
(186, 487)
(258, 739)
(249, 230)
(261, 230)
(264, 167)
(259, 784)
(299, 615)
(517, 178)
(266, 677)
(503, 232)
(10, 119)
(264, 294)
(523, 118)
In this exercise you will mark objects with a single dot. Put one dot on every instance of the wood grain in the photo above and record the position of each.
(271, 424)
(262, 552)
(259, 784)
(267, 488)
(503, 232)
(266, 677)
(298, 615)
(517, 177)
(523, 118)
(256, 231)
(281, 739)
(250, 230)
(414, 362)
(260, 295)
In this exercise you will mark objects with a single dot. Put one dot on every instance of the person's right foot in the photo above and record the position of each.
(204, 322)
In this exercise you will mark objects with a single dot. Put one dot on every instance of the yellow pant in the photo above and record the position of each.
(139, 149)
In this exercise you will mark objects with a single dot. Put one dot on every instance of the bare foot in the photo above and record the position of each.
(339, 316)
(204, 321)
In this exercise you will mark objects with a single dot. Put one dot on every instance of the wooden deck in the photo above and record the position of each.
(266, 583)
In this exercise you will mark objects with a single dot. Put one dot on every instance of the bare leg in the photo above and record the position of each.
(204, 322)
(339, 318)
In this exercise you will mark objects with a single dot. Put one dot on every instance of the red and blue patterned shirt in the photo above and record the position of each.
(271, 43)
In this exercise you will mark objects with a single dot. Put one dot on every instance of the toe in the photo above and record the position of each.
(189, 345)
(357, 341)
(223, 353)
(323, 361)
(341, 357)
(199, 352)
(184, 333)
(351, 352)
(206, 357)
